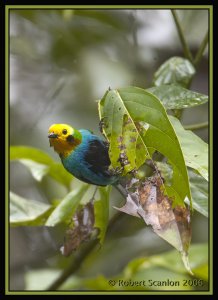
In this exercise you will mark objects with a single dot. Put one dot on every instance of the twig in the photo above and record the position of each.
(196, 126)
(79, 258)
(201, 50)
(185, 46)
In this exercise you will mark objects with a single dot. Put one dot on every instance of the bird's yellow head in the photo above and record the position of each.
(63, 138)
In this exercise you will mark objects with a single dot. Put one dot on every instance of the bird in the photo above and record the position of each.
(83, 154)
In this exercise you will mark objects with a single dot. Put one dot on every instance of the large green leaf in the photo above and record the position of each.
(101, 207)
(176, 97)
(175, 70)
(25, 212)
(67, 206)
(136, 124)
(194, 149)
(40, 164)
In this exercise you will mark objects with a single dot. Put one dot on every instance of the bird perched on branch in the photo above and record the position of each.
(83, 154)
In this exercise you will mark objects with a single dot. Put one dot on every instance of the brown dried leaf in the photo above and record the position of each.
(150, 202)
(80, 229)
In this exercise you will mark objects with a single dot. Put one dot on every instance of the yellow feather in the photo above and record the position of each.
(61, 145)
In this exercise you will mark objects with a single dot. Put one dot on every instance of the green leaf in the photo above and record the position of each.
(170, 260)
(202, 272)
(194, 149)
(67, 206)
(25, 212)
(37, 170)
(40, 164)
(100, 282)
(22, 152)
(150, 130)
(158, 272)
(175, 70)
(199, 190)
(125, 140)
(198, 185)
(102, 212)
(145, 280)
(176, 97)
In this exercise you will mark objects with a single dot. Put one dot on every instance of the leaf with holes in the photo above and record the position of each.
(135, 123)
(172, 224)
(79, 230)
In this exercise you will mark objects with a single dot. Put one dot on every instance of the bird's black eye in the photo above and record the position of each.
(64, 131)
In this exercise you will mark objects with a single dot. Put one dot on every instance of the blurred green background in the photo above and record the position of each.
(61, 63)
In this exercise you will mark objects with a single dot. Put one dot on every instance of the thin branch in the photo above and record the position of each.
(201, 50)
(185, 46)
(196, 126)
(75, 265)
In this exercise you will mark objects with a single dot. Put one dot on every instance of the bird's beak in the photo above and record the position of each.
(52, 135)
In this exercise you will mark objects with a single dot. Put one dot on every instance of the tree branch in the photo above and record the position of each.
(196, 126)
(185, 46)
(75, 265)
(201, 50)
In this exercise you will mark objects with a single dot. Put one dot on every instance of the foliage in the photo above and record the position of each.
(176, 70)
(196, 152)
(176, 97)
(149, 271)
(166, 167)
(40, 163)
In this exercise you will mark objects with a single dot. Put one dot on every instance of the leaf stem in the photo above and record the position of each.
(185, 46)
(201, 50)
(196, 126)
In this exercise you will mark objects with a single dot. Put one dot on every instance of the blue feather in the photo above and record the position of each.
(89, 161)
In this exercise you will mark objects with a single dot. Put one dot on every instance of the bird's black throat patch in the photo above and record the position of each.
(70, 139)
(73, 140)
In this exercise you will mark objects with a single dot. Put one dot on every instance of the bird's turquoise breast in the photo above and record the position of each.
(82, 160)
